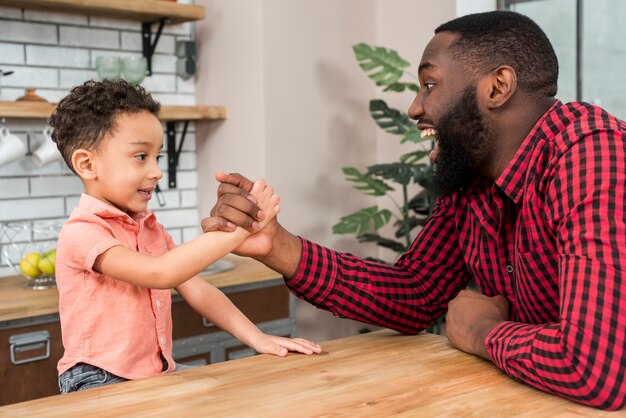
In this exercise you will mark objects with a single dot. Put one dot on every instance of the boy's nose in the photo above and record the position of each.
(156, 172)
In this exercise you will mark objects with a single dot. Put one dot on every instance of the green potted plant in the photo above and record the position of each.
(388, 70)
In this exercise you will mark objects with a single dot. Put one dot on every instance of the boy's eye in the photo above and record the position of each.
(159, 157)
(140, 157)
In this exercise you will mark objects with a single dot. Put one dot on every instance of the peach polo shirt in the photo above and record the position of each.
(117, 326)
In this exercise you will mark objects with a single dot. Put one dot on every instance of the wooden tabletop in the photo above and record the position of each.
(17, 302)
(375, 375)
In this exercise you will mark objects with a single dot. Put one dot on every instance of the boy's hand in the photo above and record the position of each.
(235, 205)
(280, 346)
(266, 200)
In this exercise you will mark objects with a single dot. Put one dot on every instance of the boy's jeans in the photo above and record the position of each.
(85, 376)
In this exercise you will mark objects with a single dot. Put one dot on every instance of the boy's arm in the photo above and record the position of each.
(184, 261)
(212, 304)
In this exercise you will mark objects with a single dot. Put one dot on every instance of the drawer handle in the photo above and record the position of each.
(28, 342)
(206, 323)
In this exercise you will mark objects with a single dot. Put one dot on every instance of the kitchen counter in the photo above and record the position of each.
(376, 374)
(18, 302)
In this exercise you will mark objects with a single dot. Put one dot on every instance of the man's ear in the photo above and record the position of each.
(84, 164)
(499, 86)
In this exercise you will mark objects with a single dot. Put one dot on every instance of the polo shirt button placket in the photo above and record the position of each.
(158, 304)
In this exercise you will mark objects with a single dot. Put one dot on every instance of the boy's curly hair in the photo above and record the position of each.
(89, 111)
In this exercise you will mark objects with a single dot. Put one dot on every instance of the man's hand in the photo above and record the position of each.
(471, 317)
(273, 245)
(235, 206)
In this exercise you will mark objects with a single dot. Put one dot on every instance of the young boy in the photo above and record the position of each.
(115, 263)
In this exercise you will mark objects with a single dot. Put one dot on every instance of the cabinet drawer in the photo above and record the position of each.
(259, 305)
(35, 374)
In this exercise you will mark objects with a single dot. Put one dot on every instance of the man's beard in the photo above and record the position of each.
(463, 137)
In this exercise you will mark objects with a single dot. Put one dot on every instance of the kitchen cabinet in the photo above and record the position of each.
(30, 335)
(28, 357)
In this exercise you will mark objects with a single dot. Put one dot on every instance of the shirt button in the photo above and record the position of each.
(509, 268)
(162, 339)
(158, 304)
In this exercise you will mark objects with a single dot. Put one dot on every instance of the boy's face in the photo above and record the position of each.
(127, 162)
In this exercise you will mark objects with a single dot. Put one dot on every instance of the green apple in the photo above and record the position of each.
(29, 264)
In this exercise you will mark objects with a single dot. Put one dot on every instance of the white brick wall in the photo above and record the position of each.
(54, 52)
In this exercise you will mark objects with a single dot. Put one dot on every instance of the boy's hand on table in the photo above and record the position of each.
(280, 346)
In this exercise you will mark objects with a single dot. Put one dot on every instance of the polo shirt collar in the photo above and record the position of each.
(513, 178)
(105, 210)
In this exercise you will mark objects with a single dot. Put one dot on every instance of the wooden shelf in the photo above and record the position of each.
(43, 110)
(138, 10)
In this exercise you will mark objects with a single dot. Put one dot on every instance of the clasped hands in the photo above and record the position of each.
(471, 316)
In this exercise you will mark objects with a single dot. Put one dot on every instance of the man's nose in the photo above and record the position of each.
(416, 110)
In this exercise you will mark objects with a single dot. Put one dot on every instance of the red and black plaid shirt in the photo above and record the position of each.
(549, 235)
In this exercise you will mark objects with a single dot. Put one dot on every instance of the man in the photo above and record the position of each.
(532, 208)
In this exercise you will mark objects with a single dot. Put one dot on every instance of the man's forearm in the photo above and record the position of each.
(285, 255)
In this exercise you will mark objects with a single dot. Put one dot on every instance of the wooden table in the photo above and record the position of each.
(377, 374)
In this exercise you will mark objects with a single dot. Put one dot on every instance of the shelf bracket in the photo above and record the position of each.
(173, 153)
(148, 46)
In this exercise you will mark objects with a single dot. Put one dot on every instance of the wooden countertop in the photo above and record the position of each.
(377, 374)
(17, 302)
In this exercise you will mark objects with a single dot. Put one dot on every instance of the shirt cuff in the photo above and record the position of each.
(510, 341)
(316, 273)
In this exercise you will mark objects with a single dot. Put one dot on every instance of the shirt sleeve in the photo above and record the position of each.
(82, 241)
(582, 357)
(406, 297)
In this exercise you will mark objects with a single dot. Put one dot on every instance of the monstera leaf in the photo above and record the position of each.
(364, 220)
(399, 87)
(401, 173)
(367, 184)
(382, 65)
(413, 157)
(391, 120)
(394, 122)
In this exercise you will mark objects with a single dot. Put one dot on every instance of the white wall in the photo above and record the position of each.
(298, 107)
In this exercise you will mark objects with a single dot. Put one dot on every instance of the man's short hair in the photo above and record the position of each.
(489, 40)
(88, 112)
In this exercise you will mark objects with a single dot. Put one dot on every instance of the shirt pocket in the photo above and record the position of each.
(157, 249)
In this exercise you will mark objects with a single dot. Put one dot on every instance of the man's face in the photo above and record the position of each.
(447, 110)
(463, 138)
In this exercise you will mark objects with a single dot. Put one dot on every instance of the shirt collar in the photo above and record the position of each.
(105, 210)
(513, 178)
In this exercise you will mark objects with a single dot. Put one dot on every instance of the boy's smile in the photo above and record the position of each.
(126, 163)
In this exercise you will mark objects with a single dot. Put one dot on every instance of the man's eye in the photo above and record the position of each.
(429, 86)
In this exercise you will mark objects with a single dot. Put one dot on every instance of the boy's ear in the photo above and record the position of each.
(84, 164)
